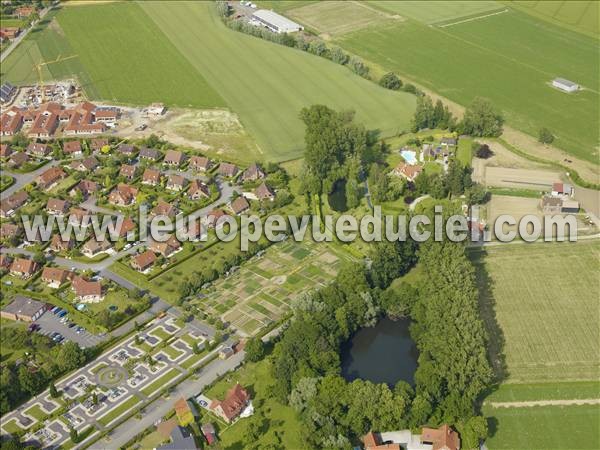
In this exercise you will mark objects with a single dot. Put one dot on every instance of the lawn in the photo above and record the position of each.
(285, 429)
(116, 412)
(267, 84)
(547, 427)
(540, 305)
(545, 391)
(161, 382)
(36, 412)
(489, 58)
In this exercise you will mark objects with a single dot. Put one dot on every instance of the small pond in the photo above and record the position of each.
(384, 353)
(337, 198)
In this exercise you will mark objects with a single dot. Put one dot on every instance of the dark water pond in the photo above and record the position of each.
(384, 353)
(337, 198)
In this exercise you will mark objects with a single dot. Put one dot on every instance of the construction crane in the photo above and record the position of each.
(41, 64)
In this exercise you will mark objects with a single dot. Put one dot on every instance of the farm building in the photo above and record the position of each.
(565, 85)
(23, 308)
(276, 22)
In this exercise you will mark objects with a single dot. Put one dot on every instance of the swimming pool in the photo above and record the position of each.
(409, 156)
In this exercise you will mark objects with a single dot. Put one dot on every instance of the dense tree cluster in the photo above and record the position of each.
(428, 115)
(390, 81)
(482, 151)
(545, 136)
(482, 119)
(17, 383)
(453, 368)
(335, 148)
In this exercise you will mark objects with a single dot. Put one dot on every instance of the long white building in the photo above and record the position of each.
(276, 22)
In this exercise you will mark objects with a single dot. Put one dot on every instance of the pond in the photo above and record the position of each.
(337, 198)
(384, 353)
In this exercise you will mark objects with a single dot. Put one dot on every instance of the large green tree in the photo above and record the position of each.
(482, 118)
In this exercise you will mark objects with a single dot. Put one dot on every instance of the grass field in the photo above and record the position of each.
(547, 427)
(268, 84)
(430, 12)
(540, 305)
(581, 16)
(509, 58)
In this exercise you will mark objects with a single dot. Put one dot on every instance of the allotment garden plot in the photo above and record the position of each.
(262, 290)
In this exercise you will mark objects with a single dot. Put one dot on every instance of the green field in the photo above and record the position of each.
(547, 427)
(268, 84)
(430, 12)
(581, 16)
(509, 58)
(540, 305)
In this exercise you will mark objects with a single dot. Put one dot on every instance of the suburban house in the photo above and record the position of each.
(127, 171)
(58, 244)
(87, 164)
(235, 402)
(163, 208)
(166, 248)
(214, 217)
(86, 187)
(239, 205)
(24, 309)
(126, 150)
(22, 267)
(77, 215)
(149, 154)
(16, 160)
(97, 144)
(126, 226)
(443, 438)
(200, 163)
(228, 170)
(264, 192)
(143, 261)
(184, 412)
(123, 195)
(180, 439)
(9, 230)
(407, 171)
(50, 177)
(176, 182)
(198, 190)
(5, 261)
(54, 277)
(174, 158)
(9, 205)
(448, 142)
(151, 177)
(38, 149)
(87, 291)
(11, 122)
(57, 206)
(5, 150)
(72, 148)
(93, 247)
(208, 430)
(253, 173)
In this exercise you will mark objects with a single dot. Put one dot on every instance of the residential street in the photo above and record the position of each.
(21, 179)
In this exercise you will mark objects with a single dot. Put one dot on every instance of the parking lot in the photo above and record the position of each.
(50, 323)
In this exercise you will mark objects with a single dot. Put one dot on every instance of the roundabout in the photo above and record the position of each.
(111, 376)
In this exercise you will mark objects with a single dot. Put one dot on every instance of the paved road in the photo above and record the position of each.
(155, 411)
(22, 36)
(21, 179)
(416, 201)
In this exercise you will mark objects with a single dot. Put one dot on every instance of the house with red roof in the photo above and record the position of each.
(235, 402)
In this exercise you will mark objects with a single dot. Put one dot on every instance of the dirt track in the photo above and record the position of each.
(583, 401)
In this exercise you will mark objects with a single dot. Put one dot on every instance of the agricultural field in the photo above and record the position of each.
(268, 84)
(432, 12)
(581, 16)
(487, 57)
(540, 305)
(261, 291)
(548, 427)
(334, 18)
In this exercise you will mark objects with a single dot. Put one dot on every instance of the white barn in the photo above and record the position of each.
(276, 22)
(565, 85)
